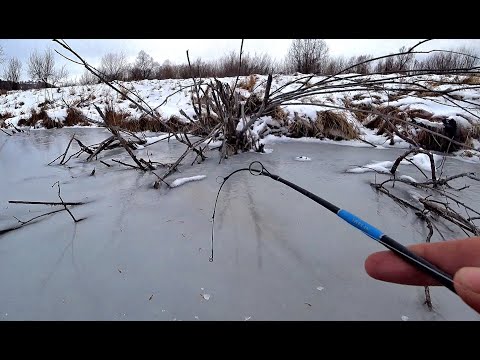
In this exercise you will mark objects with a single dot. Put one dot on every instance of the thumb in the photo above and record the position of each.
(467, 285)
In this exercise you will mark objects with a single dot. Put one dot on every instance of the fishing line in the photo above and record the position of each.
(256, 168)
(216, 200)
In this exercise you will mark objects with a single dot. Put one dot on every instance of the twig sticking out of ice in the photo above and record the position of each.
(182, 181)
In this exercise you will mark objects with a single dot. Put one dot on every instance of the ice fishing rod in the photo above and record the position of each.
(256, 168)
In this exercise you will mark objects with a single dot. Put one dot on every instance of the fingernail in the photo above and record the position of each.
(470, 278)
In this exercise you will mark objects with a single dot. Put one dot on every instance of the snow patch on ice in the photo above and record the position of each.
(303, 158)
(408, 178)
(381, 167)
(181, 181)
(423, 161)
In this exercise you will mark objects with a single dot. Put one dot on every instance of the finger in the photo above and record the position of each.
(467, 285)
(387, 266)
(449, 256)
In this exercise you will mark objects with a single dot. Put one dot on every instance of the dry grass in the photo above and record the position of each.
(394, 97)
(471, 133)
(433, 142)
(419, 113)
(75, 117)
(334, 125)
(6, 115)
(280, 115)
(301, 127)
(249, 84)
(329, 124)
(40, 115)
(433, 84)
(114, 117)
(202, 127)
(378, 121)
(471, 80)
(474, 131)
(44, 104)
(123, 94)
(464, 135)
(423, 94)
(147, 123)
(362, 115)
(3, 117)
(425, 139)
(124, 120)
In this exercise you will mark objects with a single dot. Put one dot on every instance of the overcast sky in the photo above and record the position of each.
(174, 49)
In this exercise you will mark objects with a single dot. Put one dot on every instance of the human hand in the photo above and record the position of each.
(460, 258)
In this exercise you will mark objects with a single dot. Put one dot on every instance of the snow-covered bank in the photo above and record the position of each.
(170, 97)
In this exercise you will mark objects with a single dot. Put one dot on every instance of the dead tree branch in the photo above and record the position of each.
(63, 203)
(129, 165)
(37, 217)
(66, 150)
(44, 202)
(5, 132)
(101, 147)
(416, 151)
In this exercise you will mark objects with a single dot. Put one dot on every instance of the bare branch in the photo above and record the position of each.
(44, 202)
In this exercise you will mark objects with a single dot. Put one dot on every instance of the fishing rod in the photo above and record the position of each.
(256, 168)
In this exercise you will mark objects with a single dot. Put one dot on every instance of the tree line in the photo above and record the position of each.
(307, 56)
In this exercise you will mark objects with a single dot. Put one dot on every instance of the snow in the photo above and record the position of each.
(303, 158)
(381, 167)
(423, 161)
(181, 181)
(175, 95)
(213, 144)
(438, 106)
(408, 178)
